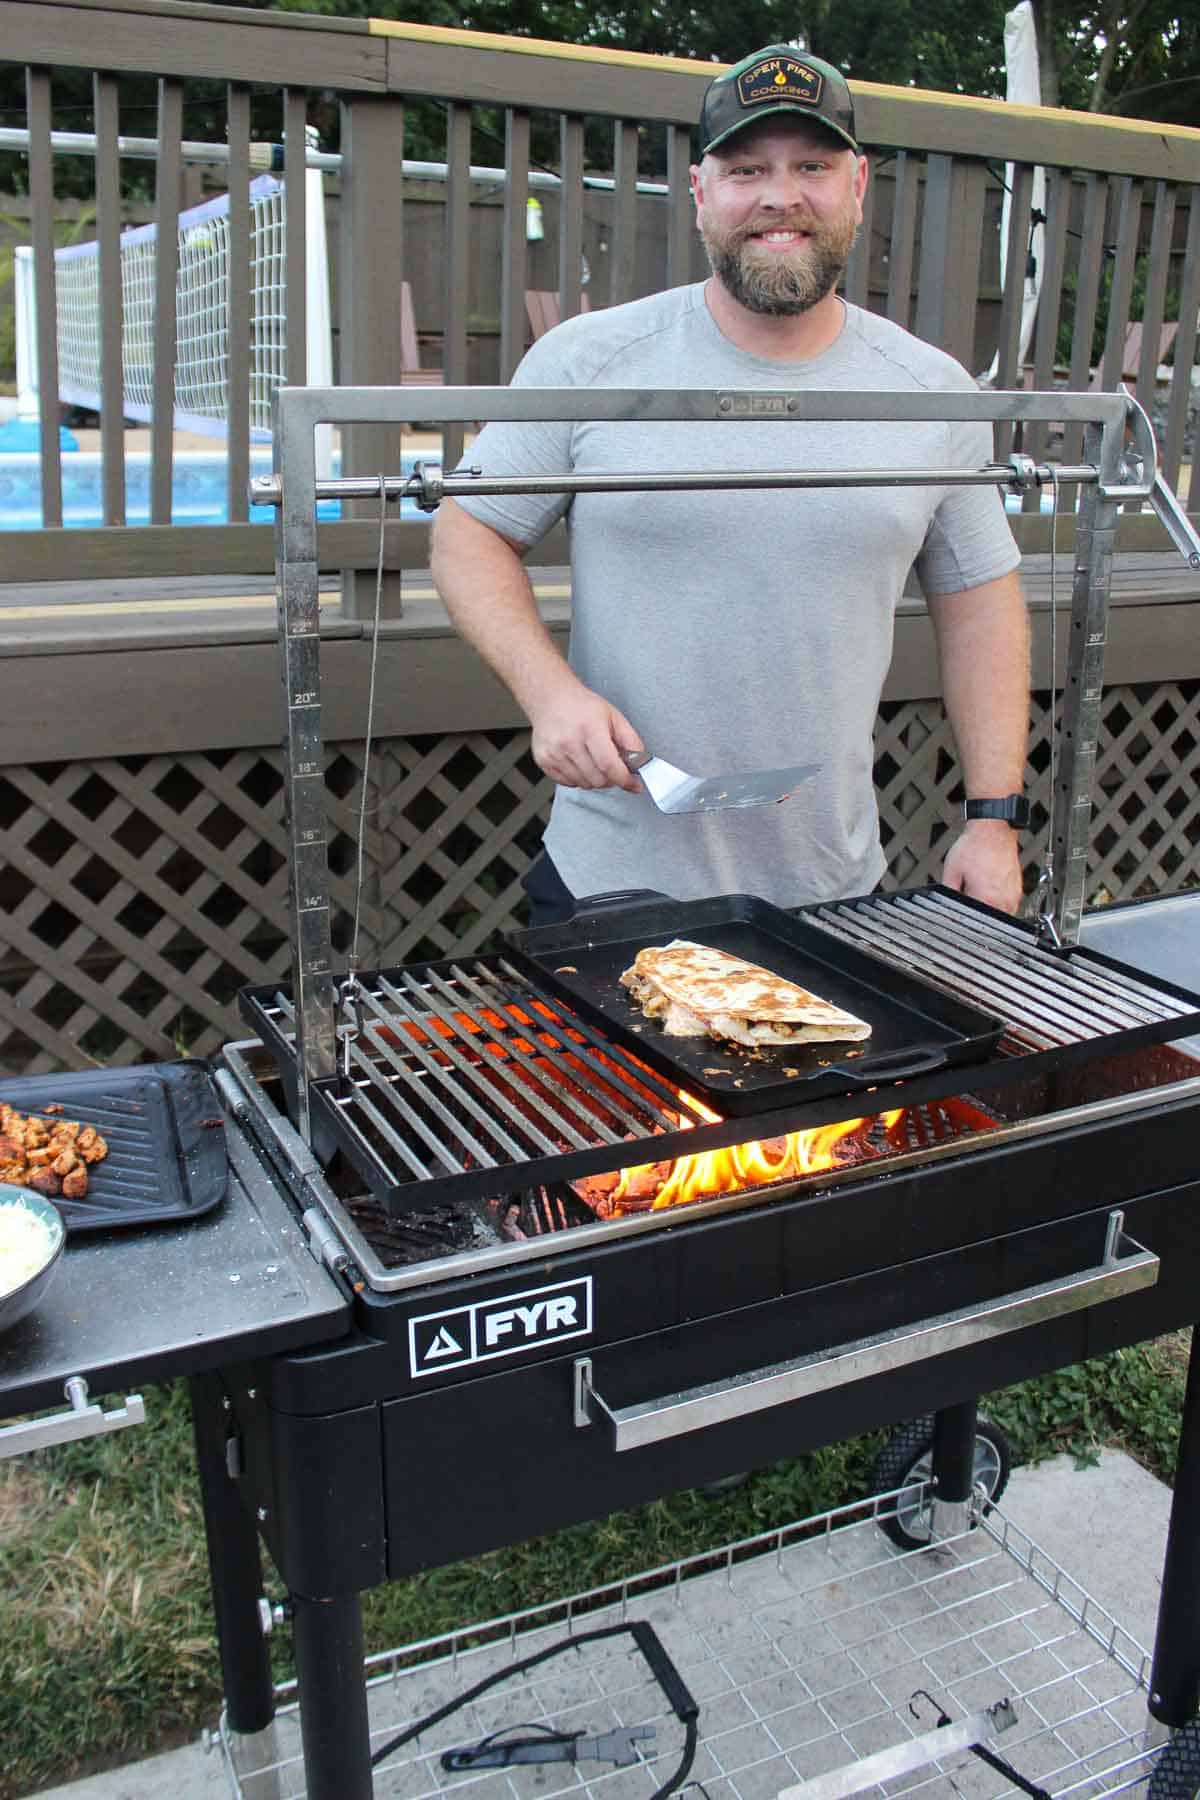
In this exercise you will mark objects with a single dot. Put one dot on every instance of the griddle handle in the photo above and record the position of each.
(892, 1065)
(608, 902)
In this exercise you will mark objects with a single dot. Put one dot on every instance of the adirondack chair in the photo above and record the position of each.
(544, 309)
(1131, 355)
(411, 372)
(1133, 348)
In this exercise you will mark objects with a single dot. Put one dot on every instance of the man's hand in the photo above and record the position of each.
(985, 864)
(578, 738)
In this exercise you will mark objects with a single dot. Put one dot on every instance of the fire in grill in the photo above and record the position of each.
(764, 1163)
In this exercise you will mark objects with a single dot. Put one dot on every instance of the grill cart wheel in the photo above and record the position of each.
(906, 1460)
(1176, 1774)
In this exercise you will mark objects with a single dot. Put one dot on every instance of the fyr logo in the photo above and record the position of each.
(504, 1326)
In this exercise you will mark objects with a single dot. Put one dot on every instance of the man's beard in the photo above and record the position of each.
(775, 282)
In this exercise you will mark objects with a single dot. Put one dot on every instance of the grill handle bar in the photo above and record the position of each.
(1126, 1269)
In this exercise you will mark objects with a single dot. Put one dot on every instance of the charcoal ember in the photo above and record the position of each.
(641, 1188)
(632, 1203)
(594, 1190)
(645, 1183)
(411, 1236)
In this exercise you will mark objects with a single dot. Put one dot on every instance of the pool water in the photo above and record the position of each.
(197, 490)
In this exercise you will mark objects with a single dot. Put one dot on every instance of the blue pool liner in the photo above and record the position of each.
(197, 490)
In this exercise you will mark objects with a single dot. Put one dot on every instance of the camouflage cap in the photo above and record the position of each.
(776, 80)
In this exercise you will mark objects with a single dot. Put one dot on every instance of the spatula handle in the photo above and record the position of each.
(636, 759)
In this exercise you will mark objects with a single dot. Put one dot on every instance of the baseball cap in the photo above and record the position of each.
(778, 79)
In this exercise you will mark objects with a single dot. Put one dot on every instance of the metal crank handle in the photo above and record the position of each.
(1183, 533)
(81, 1421)
(1127, 1267)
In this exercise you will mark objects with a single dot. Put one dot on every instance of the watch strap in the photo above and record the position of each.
(1013, 809)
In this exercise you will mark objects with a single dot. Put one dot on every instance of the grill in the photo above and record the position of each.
(520, 1337)
(467, 1081)
(525, 1314)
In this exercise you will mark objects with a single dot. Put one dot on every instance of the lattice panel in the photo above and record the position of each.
(1145, 834)
(140, 893)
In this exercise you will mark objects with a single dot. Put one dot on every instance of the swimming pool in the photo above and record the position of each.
(197, 489)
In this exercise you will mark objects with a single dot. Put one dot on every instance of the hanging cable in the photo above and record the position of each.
(349, 991)
(1043, 893)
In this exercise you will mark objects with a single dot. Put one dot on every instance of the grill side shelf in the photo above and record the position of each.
(166, 1143)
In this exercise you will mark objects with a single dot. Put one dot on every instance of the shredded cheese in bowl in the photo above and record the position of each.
(27, 1243)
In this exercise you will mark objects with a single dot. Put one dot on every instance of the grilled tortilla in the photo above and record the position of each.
(698, 991)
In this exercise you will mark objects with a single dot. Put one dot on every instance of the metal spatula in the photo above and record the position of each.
(675, 791)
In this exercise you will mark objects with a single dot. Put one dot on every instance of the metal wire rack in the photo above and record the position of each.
(809, 1648)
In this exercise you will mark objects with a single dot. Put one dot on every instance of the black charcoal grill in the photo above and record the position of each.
(570, 1363)
(508, 1348)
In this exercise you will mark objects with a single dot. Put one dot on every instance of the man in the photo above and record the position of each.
(745, 629)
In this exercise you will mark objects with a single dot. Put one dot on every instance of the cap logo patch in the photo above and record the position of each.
(780, 78)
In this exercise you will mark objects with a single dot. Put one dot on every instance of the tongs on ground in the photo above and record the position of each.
(675, 791)
(498, 1752)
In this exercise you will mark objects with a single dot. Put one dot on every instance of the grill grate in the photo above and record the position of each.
(1049, 999)
(463, 1079)
(469, 1080)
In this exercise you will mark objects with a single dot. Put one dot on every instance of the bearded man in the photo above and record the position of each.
(748, 628)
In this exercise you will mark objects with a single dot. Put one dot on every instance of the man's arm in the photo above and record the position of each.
(577, 735)
(983, 646)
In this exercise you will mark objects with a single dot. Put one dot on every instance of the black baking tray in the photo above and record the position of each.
(165, 1134)
(915, 1029)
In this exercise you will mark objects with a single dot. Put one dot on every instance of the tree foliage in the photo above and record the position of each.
(1136, 58)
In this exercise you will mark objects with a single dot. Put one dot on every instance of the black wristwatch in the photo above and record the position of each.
(1013, 809)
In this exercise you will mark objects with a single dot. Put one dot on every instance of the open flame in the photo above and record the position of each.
(732, 1170)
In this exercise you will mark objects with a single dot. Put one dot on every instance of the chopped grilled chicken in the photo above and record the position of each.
(50, 1156)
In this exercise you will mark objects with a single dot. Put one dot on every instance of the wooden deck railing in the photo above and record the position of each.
(1121, 214)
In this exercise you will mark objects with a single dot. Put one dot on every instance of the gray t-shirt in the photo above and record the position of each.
(741, 629)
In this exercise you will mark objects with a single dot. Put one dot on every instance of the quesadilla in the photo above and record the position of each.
(695, 990)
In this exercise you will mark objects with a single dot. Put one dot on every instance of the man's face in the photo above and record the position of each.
(778, 208)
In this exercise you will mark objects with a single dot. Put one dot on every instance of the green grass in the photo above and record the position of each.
(106, 1638)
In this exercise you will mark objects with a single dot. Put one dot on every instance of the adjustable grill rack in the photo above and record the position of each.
(1111, 475)
(630, 1366)
(1069, 1003)
(465, 1079)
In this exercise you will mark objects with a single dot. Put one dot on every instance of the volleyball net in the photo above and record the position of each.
(202, 321)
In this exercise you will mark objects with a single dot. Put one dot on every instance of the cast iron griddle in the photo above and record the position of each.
(914, 1028)
(165, 1134)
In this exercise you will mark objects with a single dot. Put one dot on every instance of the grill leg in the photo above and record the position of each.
(1175, 1675)
(328, 1638)
(953, 1467)
(234, 1566)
